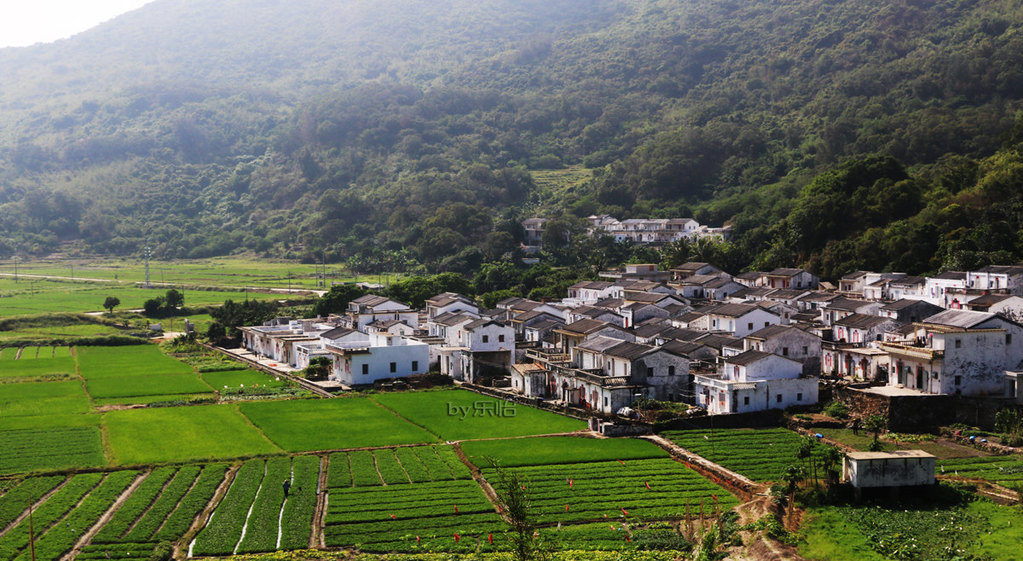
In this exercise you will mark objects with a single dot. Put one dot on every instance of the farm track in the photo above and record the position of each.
(477, 476)
(316, 539)
(35, 506)
(86, 538)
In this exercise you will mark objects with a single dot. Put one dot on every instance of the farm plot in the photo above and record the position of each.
(37, 449)
(340, 423)
(655, 489)
(230, 379)
(58, 521)
(62, 536)
(37, 363)
(997, 469)
(759, 454)
(42, 398)
(138, 525)
(117, 374)
(140, 436)
(17, 500)
(460, 414)
(606, 536)
(557, 450)
(137, 360)
(397, 466)
(256, 516)
(450, 516)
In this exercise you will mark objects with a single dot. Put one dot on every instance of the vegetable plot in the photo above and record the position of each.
(395, 466)
(759, 454)
(437, 516)
(998, 469)
(645, 490)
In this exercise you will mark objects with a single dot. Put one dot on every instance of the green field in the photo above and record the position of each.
(29, 367)
(998, 469)
(50, 448)
(42, 398)
(557, 450)
(463, 415)
(318, 424)
(140, 436)
(226, 379)
(978, 529)
(138, 360)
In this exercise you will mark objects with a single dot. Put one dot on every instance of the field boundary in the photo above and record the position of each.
(204, 516)
(735, 482)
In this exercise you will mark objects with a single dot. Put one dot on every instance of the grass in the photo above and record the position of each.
(328, 424)
(141, 436)
(461, 415)
(147, 385)
(558, 450)
(138, 360)
(914, 530)
(999, 469)
(42, 398)
(34, 367)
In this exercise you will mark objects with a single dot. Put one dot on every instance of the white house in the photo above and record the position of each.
(738, 319)
(366, 359)
(754, 381)
(369, 308)
(791, 278)
(446, 302)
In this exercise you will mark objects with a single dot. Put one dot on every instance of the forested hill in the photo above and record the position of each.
(831, 133)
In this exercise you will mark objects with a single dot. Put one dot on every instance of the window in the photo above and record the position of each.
(767, 324)
(1008, 338)
(486, 338)
(959, 343)
(649, 370)
(959, 380)
(500, 338)
(605, 402)
(365, 369)
(799, 397)
(671, 371)
(750, 326)
(778, 398)
(805, 350)
(745, 400)
(415, 365)
(394, 367)
(784, 351)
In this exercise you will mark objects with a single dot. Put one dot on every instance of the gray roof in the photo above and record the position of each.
(598, 344)
(629, 351)
(951, 275)
(959, 318)
(772, 331)
(786, 272)
(337, 333)
(862, 321)
(905, 303)
(747, 358)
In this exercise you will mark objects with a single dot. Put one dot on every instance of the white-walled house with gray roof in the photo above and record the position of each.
(754, 381)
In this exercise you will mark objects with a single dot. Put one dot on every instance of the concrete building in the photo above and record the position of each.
(358, 361)
(903, 468)
(754, 381)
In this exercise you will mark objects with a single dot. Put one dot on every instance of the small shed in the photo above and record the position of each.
(903, 468)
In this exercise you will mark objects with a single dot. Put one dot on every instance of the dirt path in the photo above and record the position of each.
(91, 533)
(477, 476)
(35, 506)
(737, 483)
(316, 539)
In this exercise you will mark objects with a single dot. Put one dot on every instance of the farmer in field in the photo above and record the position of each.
(287, 487)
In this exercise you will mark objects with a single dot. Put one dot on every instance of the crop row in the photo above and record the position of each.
(760, 454)
(35, 449)
(222, 533)
(117, 551)
(134, 506)
(382, 515)
(185, 511)
(48, 513)
(417, 464)
(264, 517)
(297, 521)
(26, 493)
(61, 537)
(643, 489)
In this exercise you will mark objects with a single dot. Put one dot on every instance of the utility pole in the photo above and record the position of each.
(147, 253)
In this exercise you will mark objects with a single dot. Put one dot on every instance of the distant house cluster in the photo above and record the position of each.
(646, 231)
(695, 334)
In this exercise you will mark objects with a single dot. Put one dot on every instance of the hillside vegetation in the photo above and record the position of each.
(834, 134)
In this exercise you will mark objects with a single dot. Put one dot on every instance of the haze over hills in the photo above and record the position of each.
(398, 133)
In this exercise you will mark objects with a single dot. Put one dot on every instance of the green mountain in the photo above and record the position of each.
(394, 133)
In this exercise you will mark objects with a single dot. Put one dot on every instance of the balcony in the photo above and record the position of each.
(915, 351)
(554, 358)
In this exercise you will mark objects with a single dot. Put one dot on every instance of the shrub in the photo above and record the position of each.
(836, 409)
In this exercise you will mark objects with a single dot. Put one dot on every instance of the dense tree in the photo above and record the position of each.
(110, 303)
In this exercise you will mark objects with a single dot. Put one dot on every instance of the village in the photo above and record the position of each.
(721, 343)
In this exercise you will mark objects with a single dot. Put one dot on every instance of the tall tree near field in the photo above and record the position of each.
(518, 512)
(111, 302)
